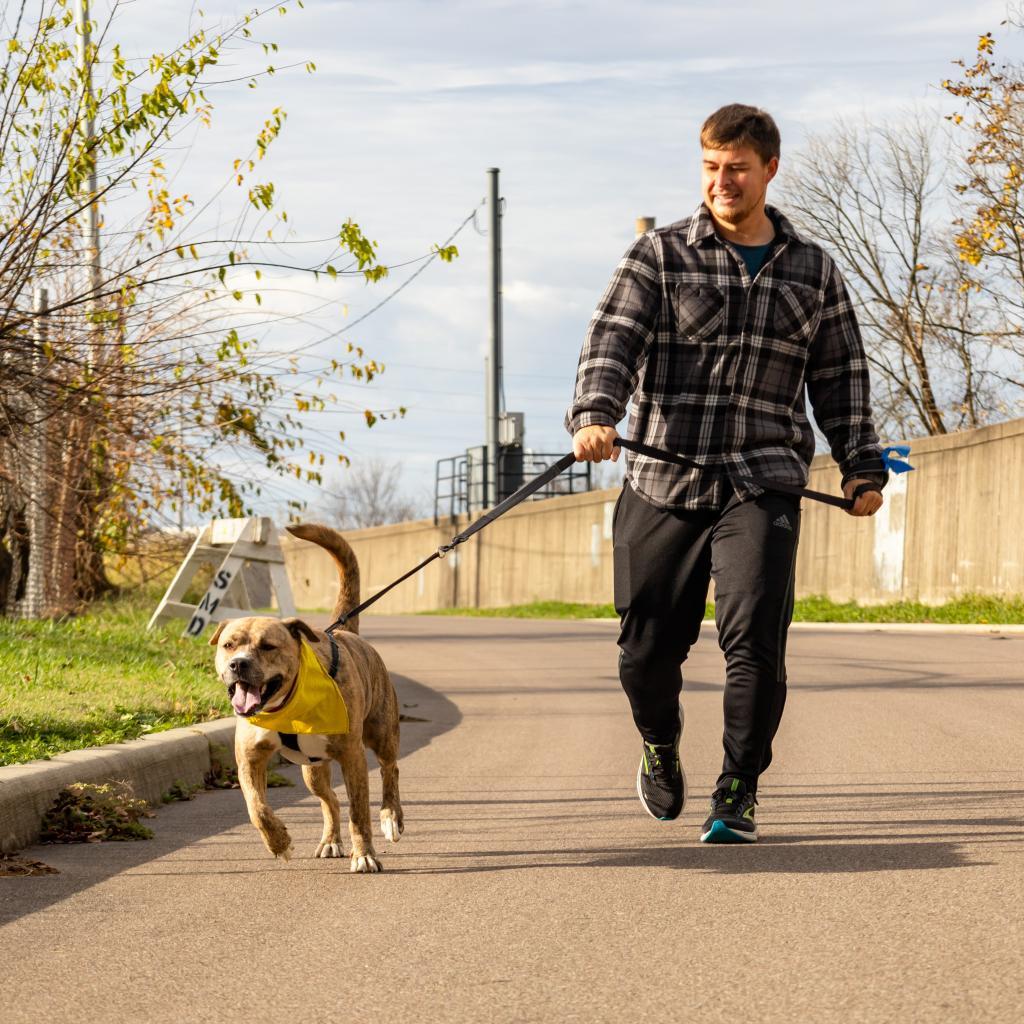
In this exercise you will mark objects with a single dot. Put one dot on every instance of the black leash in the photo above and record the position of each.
(557, 469)
(768, 485)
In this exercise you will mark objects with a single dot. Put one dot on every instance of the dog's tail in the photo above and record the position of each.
(344, 558)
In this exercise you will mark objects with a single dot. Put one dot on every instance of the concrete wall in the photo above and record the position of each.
(951, 527)
(554, 549)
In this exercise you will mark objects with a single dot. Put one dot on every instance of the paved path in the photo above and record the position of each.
(530, 886)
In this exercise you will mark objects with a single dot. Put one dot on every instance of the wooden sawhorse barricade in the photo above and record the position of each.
(229, 544)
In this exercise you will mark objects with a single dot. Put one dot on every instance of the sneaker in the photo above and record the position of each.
(660, 780)
(732, 815)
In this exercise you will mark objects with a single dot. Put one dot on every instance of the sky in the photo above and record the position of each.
(591, 110)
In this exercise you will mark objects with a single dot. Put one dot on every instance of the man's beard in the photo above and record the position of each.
(735, 213)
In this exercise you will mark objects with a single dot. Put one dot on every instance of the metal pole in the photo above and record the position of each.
(181, 442)
(36, 601)
(89, 129)
(494, 372)
(486, 496)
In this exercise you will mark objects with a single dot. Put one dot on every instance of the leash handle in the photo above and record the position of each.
(769, 485)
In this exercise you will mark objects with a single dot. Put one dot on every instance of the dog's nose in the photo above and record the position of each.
(239, 665)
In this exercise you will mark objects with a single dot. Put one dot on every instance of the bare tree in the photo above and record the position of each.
(877, 197)
(372, 496)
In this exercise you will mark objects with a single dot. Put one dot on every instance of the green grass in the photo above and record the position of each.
(972, 609)
(100, 678)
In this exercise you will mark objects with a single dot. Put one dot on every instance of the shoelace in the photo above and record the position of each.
(720, 801)
(661, 769)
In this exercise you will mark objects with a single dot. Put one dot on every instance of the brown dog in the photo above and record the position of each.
(259, 660)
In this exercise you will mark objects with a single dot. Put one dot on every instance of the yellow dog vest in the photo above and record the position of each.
(315, 706)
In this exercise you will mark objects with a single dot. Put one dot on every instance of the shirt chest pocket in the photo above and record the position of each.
(700, 311)
(795, 311)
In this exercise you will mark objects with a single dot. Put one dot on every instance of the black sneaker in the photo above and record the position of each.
(732, 815)
(660, 780)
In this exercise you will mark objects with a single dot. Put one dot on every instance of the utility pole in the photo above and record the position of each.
(643, 225)
(494, 365)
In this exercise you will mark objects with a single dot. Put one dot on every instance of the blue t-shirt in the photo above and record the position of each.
(753, 255)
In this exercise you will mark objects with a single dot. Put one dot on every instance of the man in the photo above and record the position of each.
(715, 325)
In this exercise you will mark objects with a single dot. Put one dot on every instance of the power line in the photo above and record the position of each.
(405, 284)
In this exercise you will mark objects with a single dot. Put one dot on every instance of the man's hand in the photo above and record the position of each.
(867, 504)
(594, 444)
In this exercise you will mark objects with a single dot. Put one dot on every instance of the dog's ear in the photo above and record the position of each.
(216, 633)
(299, 629)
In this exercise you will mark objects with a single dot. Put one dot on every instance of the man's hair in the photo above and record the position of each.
(736, 125)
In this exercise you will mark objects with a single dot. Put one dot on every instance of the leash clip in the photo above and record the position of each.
(450, 546)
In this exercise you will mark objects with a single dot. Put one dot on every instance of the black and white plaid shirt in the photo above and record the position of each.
(716, 363)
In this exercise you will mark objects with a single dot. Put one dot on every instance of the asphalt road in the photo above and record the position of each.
(530, 886)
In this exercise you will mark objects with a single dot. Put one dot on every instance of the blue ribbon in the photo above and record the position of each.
(895, 465)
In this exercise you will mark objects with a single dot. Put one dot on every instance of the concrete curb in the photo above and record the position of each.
(151, 765)
(879, 627)
(909, 627)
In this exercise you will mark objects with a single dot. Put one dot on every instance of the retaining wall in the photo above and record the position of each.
(951, 527)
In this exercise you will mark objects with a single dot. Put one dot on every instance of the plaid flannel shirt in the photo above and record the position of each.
(717, 364)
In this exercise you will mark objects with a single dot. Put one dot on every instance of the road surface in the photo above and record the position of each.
(530, 886)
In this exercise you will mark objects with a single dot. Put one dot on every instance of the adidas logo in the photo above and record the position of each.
(783, 522)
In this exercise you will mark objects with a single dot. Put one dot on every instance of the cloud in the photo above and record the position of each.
(534, 298)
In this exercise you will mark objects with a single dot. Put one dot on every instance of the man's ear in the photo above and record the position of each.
(299, 629)
(216, 633)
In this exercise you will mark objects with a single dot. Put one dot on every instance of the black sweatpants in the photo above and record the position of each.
(664, 560)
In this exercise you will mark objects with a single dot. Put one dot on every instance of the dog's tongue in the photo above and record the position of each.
(245, 700)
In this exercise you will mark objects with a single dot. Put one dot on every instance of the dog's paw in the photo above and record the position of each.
(286, 853)
(391, 826)
(326, 850)
(366, 865)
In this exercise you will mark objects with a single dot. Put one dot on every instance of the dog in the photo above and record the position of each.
(337, 692)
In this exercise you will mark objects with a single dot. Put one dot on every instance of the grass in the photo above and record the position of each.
(100, 678)
(975, 608)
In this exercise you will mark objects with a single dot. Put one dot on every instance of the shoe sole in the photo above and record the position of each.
(639, 793)
(721, 833)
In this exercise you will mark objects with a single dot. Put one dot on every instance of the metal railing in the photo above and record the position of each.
(460, 482)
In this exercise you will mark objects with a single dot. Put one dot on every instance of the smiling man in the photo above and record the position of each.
(715, 327)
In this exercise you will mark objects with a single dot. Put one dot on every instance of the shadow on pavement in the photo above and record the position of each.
(209, 814)
(789, 855)
(854, 674)
(782, 855)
